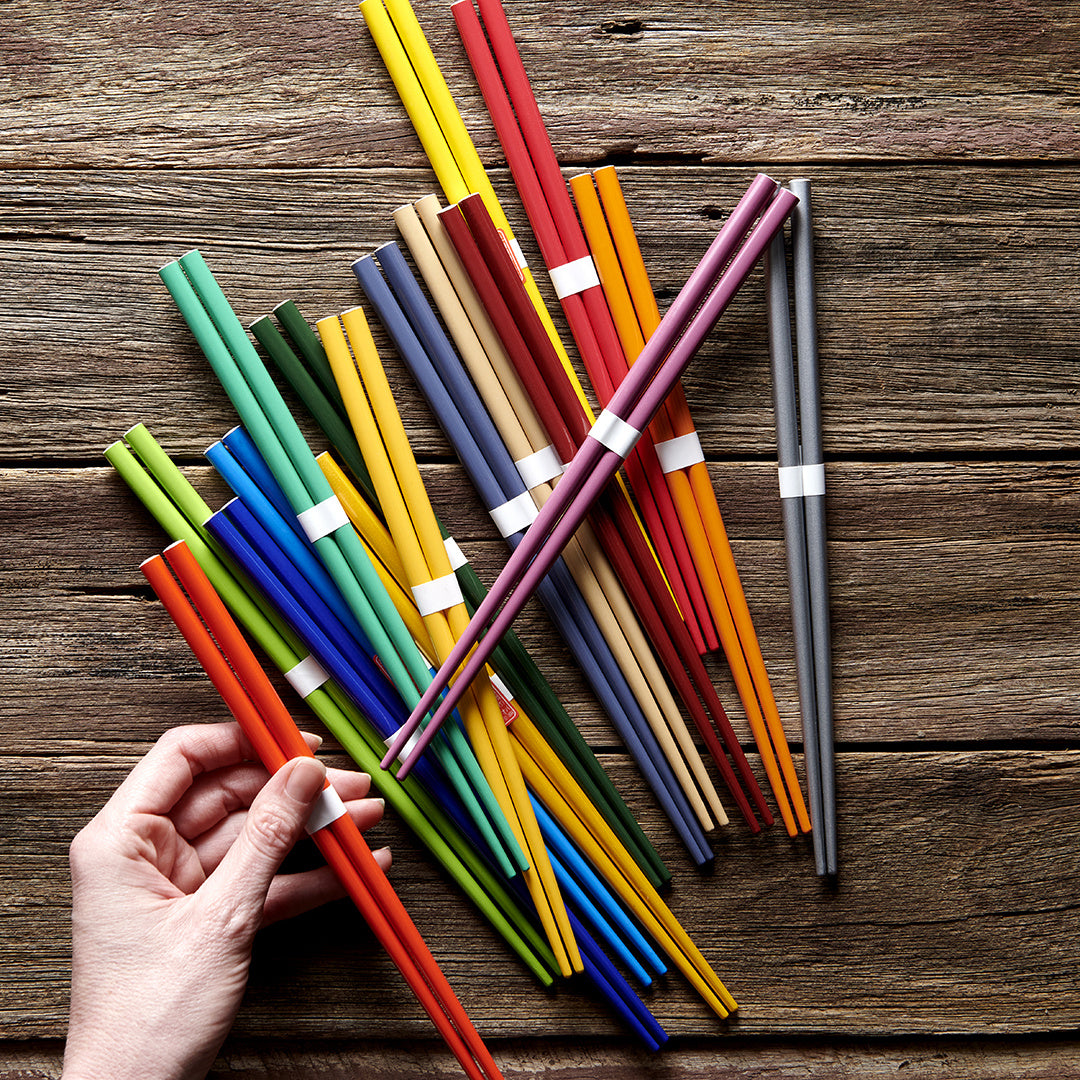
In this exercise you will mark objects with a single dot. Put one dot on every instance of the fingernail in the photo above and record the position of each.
(306, 779)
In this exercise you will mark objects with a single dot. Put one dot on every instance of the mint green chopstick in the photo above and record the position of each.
(269, 422)
(420, 813)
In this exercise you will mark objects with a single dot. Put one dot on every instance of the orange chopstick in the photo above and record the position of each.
(633, 306)
(239, 678)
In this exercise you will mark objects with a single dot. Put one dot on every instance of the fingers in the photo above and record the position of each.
(215, 796)
(295, 894)
(212, 844)
(235, 893)
(182, 754)
(160, 779)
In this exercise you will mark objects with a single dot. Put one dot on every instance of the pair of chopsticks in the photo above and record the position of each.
(802, 501)
(376, 424)
(232, 667)
(508, 95)
(699, 305)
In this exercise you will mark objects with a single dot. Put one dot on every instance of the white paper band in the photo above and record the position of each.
(457, 556)
(307, 676)
(574, 277)
(813, 479)
(614, 433)
(328, 808)
(410, 742)
(799, 480)
(540, 467)
(323, 518)
(501, 687)
(439, 594)
(519, 255)
(514, 516)
(680, 452)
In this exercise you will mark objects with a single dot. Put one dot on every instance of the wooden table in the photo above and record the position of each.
(942, 143)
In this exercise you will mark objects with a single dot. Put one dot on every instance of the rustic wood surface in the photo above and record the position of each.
(942, 143)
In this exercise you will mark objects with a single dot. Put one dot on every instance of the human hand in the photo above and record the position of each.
(170, 882)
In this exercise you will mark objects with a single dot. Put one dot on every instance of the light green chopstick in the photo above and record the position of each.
(342, 719)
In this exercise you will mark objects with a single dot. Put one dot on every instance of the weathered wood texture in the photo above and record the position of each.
(948, 917)
(948, 301)
(939, 1059)
(941, 141)
(955, 597)
(288, 83)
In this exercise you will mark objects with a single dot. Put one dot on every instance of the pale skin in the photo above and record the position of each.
(170, 882)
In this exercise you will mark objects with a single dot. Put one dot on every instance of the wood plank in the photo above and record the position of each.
(957, 911)
(947, 302)
(1000, 1059)
(955, 614)
(674, 80)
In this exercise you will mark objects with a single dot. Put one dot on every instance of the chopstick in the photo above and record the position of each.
(201, 617)
(697, 308)
(802, 502)
(469, 429)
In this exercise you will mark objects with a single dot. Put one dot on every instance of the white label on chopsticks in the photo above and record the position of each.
(505, 700)
(574, 277)
(540, 467)
(799, 480)
(515, 515)
(457, 556)
(614, 433)
(813, 479)
(328, 808)
(680, 452)
(323, 518)
(519, 255)
(307, 676)
(439, 594)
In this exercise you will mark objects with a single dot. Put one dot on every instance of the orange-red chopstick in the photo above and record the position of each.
(239, 678)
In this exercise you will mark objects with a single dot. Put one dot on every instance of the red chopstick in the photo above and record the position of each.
(536, 172)
(201, 617)
(476, 241)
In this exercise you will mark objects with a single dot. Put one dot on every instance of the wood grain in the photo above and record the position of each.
(946, 302)
(942, 144)
(948, 916)
(675, 80)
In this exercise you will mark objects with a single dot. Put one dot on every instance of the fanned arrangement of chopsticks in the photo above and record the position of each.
(337, 566)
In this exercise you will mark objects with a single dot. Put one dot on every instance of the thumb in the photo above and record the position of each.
(236, 890)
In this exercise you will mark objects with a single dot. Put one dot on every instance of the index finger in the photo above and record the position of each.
(164, 774)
